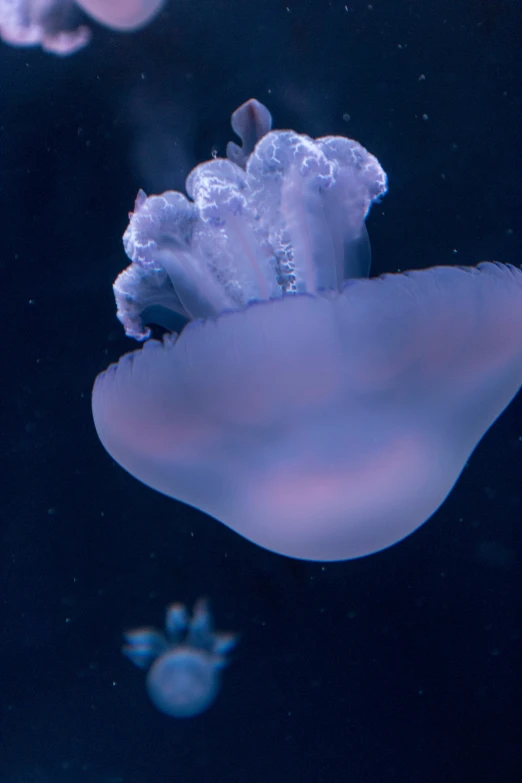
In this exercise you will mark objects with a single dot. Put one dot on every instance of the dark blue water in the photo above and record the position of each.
(403, 667)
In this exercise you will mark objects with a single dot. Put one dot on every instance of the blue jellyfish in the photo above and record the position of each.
(185, 663)
(51, 23)
(317, 412)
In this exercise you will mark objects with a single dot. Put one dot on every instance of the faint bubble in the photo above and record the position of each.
(490, 493)
(494, 555)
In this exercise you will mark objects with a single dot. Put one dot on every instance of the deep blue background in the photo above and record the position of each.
(404, 666)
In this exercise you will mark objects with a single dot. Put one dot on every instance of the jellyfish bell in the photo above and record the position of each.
(122, 14)
(184, 663)
(319, 413)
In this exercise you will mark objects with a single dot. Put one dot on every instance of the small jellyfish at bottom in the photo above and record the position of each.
(184, 664)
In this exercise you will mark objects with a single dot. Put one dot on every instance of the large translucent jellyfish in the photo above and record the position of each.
(318, 413)
(51, 24)
(184, 664)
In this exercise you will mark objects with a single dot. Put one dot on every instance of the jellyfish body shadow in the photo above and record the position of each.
(317, 412)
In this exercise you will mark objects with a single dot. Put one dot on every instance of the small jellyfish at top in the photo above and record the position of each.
(184, 664)
(320, 413)
(53, 24)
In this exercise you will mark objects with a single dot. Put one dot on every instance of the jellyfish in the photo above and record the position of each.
(52, 23)
(184, 664)
(320, 413)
